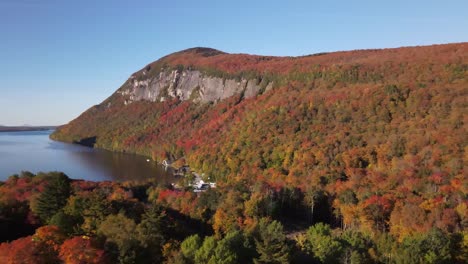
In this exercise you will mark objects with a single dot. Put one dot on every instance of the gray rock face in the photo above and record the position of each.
(187, 85)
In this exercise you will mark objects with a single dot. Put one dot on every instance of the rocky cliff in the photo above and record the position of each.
(185, 85)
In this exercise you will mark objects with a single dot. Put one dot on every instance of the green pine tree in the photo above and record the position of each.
(151, 232)
(54, 197)
(271, 243)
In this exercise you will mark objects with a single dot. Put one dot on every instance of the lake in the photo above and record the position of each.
(34, 151)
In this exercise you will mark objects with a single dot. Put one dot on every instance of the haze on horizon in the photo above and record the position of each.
(61, 57)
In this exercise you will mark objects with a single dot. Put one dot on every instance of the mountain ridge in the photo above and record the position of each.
(178, 57)
(189, 102)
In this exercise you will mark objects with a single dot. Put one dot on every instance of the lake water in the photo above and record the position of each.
(34, 151)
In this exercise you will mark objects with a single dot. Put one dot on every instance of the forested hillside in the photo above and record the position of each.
(48, 218)
(367, 141)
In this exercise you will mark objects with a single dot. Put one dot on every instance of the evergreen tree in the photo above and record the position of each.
(271, 243)
(65, 222)
(233, 248)
(151, 232)
(54, 197)
(229, 249)
(94, 210)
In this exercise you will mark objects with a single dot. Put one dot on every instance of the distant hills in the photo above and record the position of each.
(25, 128)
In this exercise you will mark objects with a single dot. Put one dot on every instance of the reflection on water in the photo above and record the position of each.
(34, 151)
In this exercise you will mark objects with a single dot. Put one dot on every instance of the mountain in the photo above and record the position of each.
(25, 128)
(345, 157)
(309, 120)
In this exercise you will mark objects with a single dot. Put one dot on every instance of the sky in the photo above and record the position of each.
(60, 57)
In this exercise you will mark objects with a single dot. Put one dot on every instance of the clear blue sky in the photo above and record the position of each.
(59, 57)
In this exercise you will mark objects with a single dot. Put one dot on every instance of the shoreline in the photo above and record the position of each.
(26, 128)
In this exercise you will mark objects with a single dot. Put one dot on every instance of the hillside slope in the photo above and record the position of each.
(378, 137)
(291, 118)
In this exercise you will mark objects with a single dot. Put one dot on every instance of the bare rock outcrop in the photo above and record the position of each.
(187, 85)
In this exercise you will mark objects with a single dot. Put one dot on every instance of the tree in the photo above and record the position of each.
(377, 212)
(230, 211)
(432, 247)
(190, 246)
(271, 243)
(50, 235)
(151, 230)
(355, 247)
(66, 223)
(462, 254)
(24, 250)
(437, 247)
(82, 249)
(312, 198)
(386, 246)
(54, 197)
(229, 250)
(204, 253)
(322, 244)
(410, 251)
(120, 234)
(40, 248)
(94, 209)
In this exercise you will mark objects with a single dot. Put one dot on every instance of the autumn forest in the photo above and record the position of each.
(349, 157)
